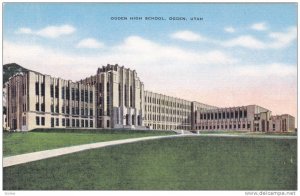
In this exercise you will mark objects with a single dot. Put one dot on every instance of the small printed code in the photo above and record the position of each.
(277, 193)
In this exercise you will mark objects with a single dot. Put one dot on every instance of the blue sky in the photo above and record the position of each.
(246, 52)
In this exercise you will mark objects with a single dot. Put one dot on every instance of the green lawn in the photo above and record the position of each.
(186, 163)
(19, 143)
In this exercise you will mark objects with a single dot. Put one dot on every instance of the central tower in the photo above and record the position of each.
(119, 95)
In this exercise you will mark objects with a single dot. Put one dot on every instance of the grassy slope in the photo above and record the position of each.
(19, 143)
(190, 163)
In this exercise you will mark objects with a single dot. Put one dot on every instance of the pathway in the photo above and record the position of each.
(35, 156)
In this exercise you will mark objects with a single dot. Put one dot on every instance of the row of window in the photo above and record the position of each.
(65, 92)
(166, 118)
(168, 127)
(165, 102)
(39, 120)
(212, 127)
(223, 115)
(165, 110)
(65, 122)
(75, 111)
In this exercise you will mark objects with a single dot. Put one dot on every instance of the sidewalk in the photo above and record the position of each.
(35, 156)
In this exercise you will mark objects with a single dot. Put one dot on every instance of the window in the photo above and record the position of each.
(131, 97)
(51, 90)
(24, 120)
(63, 92)
(37, 107)
(77, 94)
(91, 123)
(86, 123)
(68, 122)
(77, 123)
(73, 122)
(23, 89)
(68, 93)
(52, 122)
(43, 107)
(37, 90)
(56, 109)
(43, 120)
(107, 123)
(57, 122)
(82, 123)
(126, 95)
(82, 95)
(43, 89)
(132, 119)
(52, 108)
(86, 96)
(91, 112)
(56, 91)
(120, 95)
(245, 113)
(63, 122)
(37, 120)
(73, 94)
(91, 96)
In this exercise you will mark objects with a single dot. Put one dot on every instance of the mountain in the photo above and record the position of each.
(10, 70)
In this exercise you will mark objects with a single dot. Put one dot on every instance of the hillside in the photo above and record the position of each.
(10, 70)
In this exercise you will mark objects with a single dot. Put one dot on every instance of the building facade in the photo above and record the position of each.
(35, 100)
(115, 98)
(119, 97)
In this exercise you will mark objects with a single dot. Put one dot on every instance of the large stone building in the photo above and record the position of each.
(35, 100)
(115, 98)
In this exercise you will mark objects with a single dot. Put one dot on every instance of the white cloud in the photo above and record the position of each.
(89, 43)
(283, 39)
(246, 41)
(277, 40)
(135, 47)
(24, 30)
(187, 36)
(49, 31)
(259, 26)
(134, 52)
(273, 69)
(229, 29)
